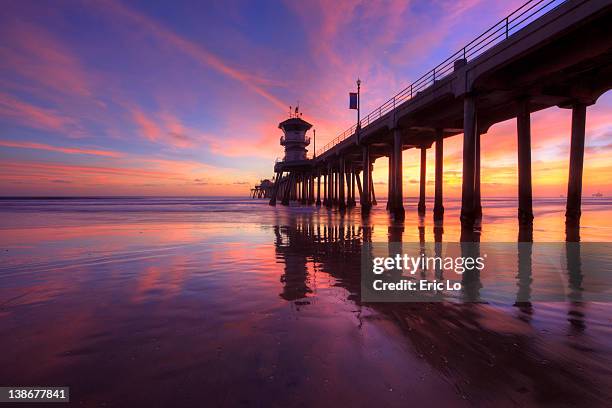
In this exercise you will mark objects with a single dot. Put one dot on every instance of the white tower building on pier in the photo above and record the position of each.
(294, 137)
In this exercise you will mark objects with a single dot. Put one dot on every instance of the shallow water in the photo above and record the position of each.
(187, 302)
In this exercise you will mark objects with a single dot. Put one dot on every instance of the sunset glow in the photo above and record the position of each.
(270, 203)
(117, 98)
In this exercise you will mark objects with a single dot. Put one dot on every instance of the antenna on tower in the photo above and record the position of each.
(295, 113)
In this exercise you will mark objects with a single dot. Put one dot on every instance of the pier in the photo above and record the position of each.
(544, 54)
(263, 189)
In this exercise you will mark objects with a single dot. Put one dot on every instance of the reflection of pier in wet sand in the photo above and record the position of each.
(488, 353)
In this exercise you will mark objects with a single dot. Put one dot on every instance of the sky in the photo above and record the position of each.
(125, 97)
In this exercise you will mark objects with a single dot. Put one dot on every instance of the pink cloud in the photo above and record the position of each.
(67, 150)
(168, 129)
(56, 169)
(33, 53)
(33, 116)
(147, 126)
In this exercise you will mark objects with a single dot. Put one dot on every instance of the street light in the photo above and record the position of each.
(358, 109)
(355, 103)
(358, 102)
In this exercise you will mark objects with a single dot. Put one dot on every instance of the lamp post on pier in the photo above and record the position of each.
(358, 103)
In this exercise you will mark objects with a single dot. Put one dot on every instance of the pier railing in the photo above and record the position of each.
(514, 22)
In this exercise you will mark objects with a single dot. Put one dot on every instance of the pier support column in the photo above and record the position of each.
(390, 179)
(313, 197)
(574, 184)
(330, 178)
(330, 183)
(469, 156)
(523, 128)
(304, 197)
(398, 174)
(279, 192)
(275, 188)
(324, 202)
(335, 190)
(292, 187)
(373, 200)
(318, 203)
(353, 177)
(324, 175)
(347, 174)
(311, 188)
(422, 181)
(311, 193)
(334, 187)
(341, 195)
(477, 198)
(367, 175)
(438, 201)
(287, 189)
(338, 179)
(330, 195)
(348, 185)
(353, 185)
(358, 179)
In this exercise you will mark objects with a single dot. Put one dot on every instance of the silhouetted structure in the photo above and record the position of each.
(263, 189)
(542, 55)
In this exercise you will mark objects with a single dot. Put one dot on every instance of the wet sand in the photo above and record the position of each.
(185, 302)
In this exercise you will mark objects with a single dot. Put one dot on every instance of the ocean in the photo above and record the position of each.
(160, 301)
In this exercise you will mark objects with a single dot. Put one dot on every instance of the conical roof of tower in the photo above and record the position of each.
(294, 124)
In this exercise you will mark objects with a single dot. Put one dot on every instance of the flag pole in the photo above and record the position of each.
(358, 108)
